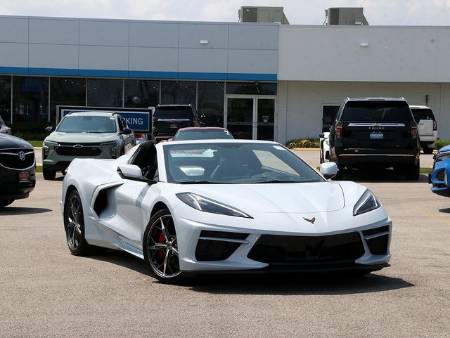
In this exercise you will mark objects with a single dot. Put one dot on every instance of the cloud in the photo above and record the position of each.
(378, 12)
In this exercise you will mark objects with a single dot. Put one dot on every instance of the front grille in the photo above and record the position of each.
(377, 240)
(378, 245)
(374, 231)
(307, 250)
(17, 158)
(88, 149)
(212, 250)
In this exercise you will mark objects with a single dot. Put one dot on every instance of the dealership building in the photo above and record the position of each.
(264, 80)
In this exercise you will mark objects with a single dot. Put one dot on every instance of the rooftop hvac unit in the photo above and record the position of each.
(262, 14)
(345, 16)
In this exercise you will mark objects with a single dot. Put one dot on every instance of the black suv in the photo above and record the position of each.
(17, 169)
(376, 132)
(167, 119)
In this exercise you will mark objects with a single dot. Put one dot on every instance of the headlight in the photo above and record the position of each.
(50, 143)
(114, 146)
(366, 203)
(208, 205)
(46, 147)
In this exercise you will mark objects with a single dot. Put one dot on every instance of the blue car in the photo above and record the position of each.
(439, 177)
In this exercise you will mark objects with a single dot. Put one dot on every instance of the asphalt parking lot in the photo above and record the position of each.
(44, 291)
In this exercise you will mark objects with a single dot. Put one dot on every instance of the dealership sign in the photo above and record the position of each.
(137, 119)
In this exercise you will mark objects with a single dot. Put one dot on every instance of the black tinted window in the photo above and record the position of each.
(423, 114)
(174, 113)
(376, 111)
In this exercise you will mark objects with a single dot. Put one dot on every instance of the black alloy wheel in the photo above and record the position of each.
(74, 225)
(161, 248)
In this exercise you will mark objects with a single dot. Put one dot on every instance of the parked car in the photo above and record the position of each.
(202, 133)
(439, 177)
(85, 134)
(324, 139)
(376, 132)
(426, 122)
(17, 169)
(4, 129)
(223, 205)
(167, 119)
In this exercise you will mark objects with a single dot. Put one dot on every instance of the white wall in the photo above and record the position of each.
(127, 45)
(299, 104)
(394, 54)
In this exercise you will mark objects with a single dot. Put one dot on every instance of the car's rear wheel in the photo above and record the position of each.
(161, 248)
(5, 203)
(427, 150)
(49, 175)
(74, 225)
(411, 172)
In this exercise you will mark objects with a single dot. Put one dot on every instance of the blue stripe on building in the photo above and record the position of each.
(138, 74)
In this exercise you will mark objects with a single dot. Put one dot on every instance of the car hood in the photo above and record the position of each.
(8, 141)
(275, 197)
(81, 137)
(444, 149)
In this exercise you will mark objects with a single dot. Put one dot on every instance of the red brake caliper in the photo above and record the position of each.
(161, 240)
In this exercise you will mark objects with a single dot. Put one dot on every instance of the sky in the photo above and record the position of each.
(378, 12)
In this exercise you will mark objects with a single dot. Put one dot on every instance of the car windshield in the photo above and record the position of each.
(423, 114)
(235, 163)
(376, 111)
(87, 124)
(202, 135)
(173, 113)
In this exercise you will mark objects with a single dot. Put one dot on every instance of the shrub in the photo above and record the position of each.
(442, 143)
(303, 143)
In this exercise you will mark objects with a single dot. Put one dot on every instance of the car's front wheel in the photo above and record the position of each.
(74, 225)
(161, 248)
(49, 175)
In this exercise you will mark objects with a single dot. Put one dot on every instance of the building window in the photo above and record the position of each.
(329, 113)
(30, 111)
(66, 92)
(141, 93)
(210, 103)
(252, 88)
(104, 93)
(178, 92)
(5, 98)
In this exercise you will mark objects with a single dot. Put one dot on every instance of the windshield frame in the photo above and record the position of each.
(314, 175)
(112, 118)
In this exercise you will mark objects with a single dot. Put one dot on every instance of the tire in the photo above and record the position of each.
(5, 203)
(49, 175)
(412, 173)
(74, 225)
(161, 248)
(427, 150)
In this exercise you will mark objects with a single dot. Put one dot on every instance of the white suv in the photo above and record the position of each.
(426, 123)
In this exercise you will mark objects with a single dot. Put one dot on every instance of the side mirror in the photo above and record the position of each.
(126, 131)
(130, 171)
(329, 170)
(49, 129)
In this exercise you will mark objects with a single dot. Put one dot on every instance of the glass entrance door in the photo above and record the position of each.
(250, 116)
(240, 117)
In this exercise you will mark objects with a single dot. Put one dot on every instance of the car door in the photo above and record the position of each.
(133, 197)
